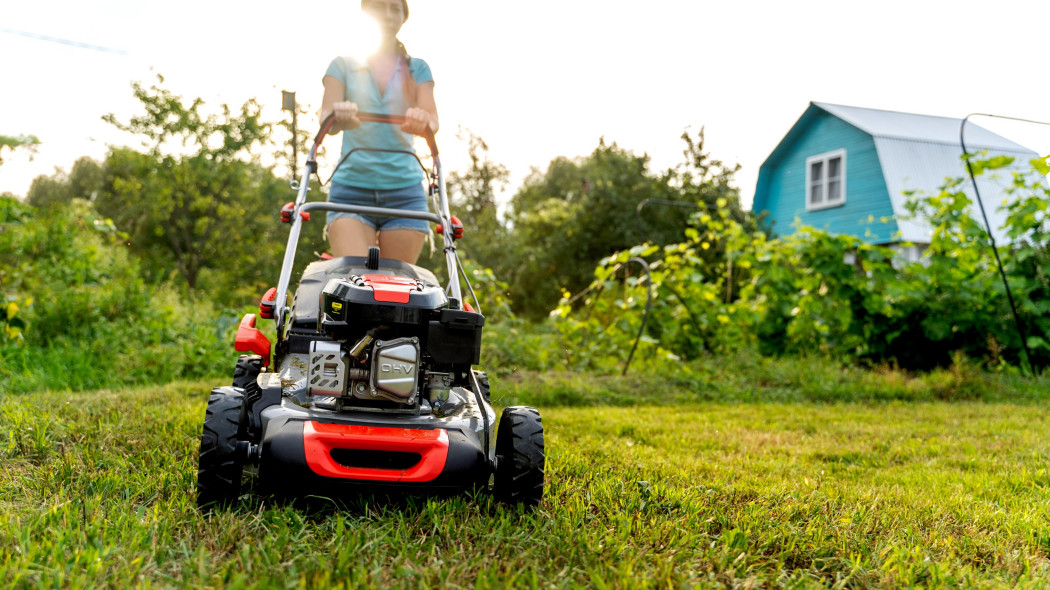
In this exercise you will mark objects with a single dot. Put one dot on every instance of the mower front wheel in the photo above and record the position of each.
(220, 466)
(520, 459)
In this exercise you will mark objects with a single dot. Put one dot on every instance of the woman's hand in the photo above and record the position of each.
(345, 116)
(417, 121)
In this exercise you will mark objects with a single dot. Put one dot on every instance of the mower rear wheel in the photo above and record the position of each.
(247, 370)
(220, 467)
(519, 456)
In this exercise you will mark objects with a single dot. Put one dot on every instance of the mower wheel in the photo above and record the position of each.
(220, 466)
(519, 456)
(247, 371)
(483, 384)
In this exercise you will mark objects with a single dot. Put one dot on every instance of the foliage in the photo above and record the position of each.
(472, 195)
(98, 493)
(1028, 264)
(78, 315)
(22, 141)
(12, 304)
(84, 181)
(579, 211)
(206, 213)
(812, 293)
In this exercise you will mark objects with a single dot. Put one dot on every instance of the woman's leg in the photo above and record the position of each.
(402, 244)
(351, 237)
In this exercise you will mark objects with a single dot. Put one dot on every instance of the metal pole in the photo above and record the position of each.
(995, 249)
(288, 104)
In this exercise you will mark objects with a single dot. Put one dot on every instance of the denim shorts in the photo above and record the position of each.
(411, 198)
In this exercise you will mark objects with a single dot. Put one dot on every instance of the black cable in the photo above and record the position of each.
(642, 205)
(645, 316)
(463, 273)
(364, 149)
(486, 429)
(991, 238)
(648, 303)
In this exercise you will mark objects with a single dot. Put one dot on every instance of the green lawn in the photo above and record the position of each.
(96, 489)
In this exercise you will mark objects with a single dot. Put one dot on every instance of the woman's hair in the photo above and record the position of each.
(408, 83)
(404, 6)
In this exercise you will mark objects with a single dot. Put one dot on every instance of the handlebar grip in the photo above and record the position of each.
(375, 118)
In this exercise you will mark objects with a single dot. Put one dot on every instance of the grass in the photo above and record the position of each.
(96, 489)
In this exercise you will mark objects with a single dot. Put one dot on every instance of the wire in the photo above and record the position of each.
(991, 238)
(363, 149)
(648, 302)
(63, 41)
(642, 234)
(463, 273)
(645, 316)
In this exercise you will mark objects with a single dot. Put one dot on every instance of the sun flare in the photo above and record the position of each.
(362, 37)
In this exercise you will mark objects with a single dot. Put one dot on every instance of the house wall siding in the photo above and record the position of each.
(867, 199)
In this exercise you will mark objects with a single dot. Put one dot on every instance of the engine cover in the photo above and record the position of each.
(394, 374)
(374, 299)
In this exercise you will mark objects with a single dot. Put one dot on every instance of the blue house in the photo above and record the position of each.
(847, 170)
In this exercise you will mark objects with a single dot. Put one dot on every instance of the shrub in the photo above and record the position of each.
(77, 314)
(813, 293)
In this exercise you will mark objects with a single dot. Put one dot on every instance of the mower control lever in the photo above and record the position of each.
(288, 210)
(457, 228)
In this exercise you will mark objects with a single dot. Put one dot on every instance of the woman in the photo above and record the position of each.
(390, 82)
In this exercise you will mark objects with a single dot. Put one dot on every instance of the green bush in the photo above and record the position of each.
(77, 314)
(813, 293)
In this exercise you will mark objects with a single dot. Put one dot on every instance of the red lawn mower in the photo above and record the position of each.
(370, 385)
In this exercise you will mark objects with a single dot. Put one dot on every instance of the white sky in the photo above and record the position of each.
(536, 79)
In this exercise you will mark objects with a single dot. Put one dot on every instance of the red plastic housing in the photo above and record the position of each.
(320, 439)
(288, 209)
(266, 305)
(249, 339)
(391, 289)
(457, 228)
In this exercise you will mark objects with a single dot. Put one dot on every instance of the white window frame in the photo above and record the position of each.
(824, 159)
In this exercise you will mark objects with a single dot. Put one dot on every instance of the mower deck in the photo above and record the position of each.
(319, 447)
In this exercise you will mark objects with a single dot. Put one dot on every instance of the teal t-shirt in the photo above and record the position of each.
(377, 170)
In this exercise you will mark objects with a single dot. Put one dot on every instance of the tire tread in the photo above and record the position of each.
(521, 456)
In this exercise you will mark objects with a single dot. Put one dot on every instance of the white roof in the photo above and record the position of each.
(919, 152)
(896, 125)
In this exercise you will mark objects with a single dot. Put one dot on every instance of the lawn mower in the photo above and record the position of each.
(371, 384)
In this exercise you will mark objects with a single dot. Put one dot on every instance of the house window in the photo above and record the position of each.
(826, 180)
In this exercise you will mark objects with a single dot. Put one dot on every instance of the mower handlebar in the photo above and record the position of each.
(372, 118)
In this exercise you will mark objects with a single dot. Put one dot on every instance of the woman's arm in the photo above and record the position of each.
(334, 101)
(424, 114)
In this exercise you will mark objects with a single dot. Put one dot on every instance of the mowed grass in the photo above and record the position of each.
(96, 490)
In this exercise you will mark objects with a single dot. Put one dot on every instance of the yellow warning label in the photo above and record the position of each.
(336, 306)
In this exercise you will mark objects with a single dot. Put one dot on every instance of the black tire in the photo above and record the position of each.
(520, 460)
(483, 384)
(247, 370)
(220, 467)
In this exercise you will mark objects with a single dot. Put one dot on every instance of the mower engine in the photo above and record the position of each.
(392, 372)
(389, 338)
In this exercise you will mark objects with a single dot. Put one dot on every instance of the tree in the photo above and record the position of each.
(565, 220)
(473, 199)
(12, 143)
(203, 207)
(83, 182)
